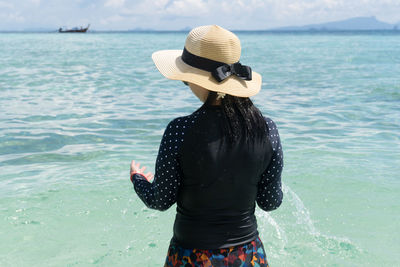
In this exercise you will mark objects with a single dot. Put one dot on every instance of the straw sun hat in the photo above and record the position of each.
(210, 59)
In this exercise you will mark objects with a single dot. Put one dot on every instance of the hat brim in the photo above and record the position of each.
(170, 64)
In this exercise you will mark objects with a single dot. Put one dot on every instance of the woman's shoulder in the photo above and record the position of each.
(186, 121)
(271, 124)
(272, 129)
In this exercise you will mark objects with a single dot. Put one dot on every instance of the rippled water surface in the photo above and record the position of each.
(75, 109)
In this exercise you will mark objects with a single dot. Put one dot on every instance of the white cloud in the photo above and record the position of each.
(112, 19)
(13, 17)
(114, 3)
(255, 14)
(4, 4)
(144, 8)
(187, 8)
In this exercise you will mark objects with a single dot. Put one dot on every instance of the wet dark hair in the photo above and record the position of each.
(241, 116)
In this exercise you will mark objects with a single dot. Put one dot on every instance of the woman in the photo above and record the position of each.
(217, 162)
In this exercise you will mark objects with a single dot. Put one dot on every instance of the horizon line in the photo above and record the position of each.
(184, 30)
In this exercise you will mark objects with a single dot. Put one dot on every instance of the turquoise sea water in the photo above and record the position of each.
(76, 109)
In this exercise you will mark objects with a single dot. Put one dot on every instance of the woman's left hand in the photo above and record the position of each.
(135, 168)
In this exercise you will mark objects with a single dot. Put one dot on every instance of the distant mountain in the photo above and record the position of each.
(359, 23)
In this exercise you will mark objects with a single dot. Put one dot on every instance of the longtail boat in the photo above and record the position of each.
(75, 29)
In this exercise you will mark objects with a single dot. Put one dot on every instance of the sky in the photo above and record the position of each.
(181, 14)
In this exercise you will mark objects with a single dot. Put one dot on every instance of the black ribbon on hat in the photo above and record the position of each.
(219, 70)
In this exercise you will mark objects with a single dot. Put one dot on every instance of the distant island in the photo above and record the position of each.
(352, 24)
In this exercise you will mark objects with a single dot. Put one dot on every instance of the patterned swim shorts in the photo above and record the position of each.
(250, 254)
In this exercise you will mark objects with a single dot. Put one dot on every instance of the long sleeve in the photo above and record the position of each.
(269, 195)
(162, 192)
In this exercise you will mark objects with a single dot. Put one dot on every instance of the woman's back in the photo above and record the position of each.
(211, 165)
(215, 183)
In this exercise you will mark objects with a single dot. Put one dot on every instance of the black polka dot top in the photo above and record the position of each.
(215, 185)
